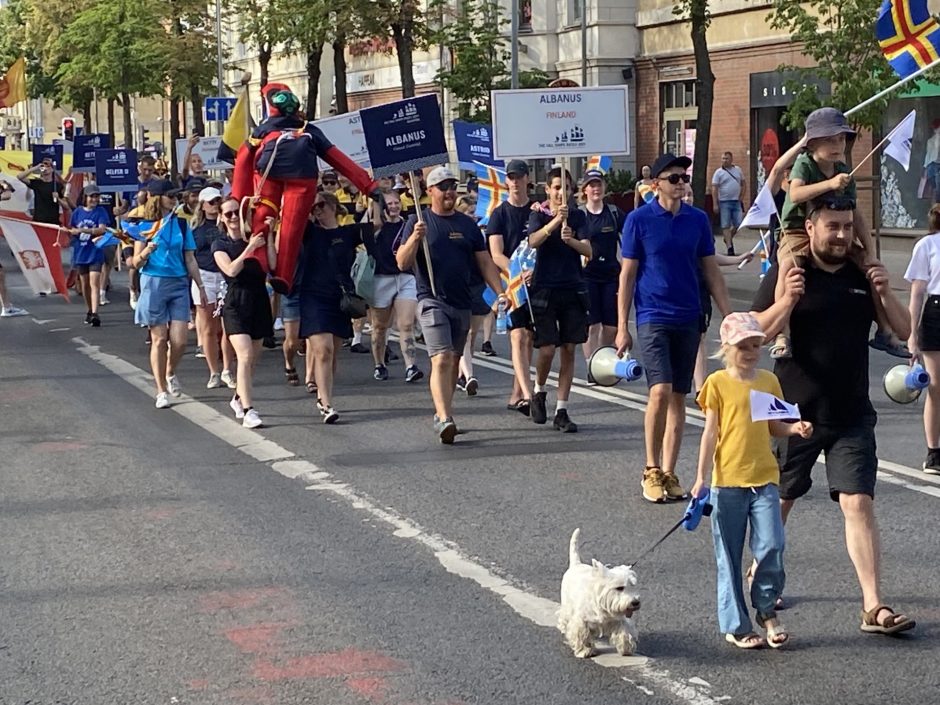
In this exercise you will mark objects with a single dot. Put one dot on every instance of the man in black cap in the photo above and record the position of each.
(664, 244)
(505, 231)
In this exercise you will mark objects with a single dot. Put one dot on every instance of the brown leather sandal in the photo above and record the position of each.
(892, 624)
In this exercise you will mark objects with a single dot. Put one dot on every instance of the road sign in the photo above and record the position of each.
(218, 108)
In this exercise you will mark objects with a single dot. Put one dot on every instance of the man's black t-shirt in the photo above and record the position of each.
(454, 241)
(829, 327)
(45, 200)
(509, 221)
(603, 229)
(382, 246)
(327, 258)
(558, 266)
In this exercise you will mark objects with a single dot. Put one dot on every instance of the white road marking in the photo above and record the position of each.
(453, 559)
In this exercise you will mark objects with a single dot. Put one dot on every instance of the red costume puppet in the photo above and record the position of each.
(279, 164)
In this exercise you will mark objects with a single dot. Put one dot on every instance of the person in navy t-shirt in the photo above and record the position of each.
(558, 297)
(663, 245)
(88, 223)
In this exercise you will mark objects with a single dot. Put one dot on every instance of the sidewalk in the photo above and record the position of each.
(742, 284)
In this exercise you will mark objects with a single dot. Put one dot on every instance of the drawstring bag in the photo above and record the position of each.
(363, 276)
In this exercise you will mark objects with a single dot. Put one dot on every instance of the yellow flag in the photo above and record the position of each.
(237, 129)
(13, 84)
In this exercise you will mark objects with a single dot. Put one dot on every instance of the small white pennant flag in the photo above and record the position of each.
(766, 407)
(900, 139)
(763, 209)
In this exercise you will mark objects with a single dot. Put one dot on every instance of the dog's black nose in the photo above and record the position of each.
(635, 605)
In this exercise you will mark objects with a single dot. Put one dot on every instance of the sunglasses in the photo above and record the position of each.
(330, 183)
(446, 186)
(676, 178)
(318, 206)
(230, 214)
(215, 202)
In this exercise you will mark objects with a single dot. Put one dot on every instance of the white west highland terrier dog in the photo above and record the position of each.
(597, 601)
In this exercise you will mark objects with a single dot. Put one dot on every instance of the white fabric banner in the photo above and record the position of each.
(561, 122)
(30, 254)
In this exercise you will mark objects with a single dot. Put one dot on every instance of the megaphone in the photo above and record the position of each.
(607, 369)
(903, 384)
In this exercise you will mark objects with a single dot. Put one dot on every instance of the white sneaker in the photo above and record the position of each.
(163, 401)
(11, 311)
(215, 381)
(228, 379)
(133, 301)
(278, 324)
(173, 385)
(251, 420)
(236, 406)
(103, 298)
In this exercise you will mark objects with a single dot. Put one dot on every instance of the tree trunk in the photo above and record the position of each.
(314, 54)
(128, 123)
(339, 73)
(175, 134)
(402, 34)
(705, 94)
(195, 97)
(264, 58)
(111, 128)
(85, 110)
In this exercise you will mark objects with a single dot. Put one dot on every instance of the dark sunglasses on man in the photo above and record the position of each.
(329, 183)
(674, 179)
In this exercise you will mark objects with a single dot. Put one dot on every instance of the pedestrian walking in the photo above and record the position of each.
(88, 223)
(831, 305)
(727, 191)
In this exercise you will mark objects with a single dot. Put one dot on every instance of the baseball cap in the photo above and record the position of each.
(739, 326)
(517, 166)
(160, 187)
(592, 175)
(667, 161)
(209, 194)
(91, 190)
(195, 184)
(439, 175)
(826, 122)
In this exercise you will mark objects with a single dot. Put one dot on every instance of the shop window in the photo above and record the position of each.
(677, 94)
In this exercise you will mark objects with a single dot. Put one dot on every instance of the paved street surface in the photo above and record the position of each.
(174, 557)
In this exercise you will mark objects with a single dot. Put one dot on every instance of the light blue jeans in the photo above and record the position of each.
(734, 509)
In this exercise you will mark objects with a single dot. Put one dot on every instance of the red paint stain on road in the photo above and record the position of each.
(14, 394)
(349, 662)
(58, 446)
(256, 695)
(372, 688)
(258, 639)
(161, 513)
(198, 684)
(237, 599)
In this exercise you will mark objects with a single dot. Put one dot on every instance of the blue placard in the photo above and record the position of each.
(404, 135)
(83, 155)
(48, 151)
(218, 108)
(474, 144)
(116, 169)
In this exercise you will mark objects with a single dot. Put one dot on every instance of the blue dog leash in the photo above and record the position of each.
(698, 507)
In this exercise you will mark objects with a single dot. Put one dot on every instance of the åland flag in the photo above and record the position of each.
(35, 249)
(521, 261)
(909, 37)
(237, 129)
(599, 161)
(492, 184)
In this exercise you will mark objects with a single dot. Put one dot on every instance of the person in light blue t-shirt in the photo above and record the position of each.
(87, 224)
(164, 261)
(663, 245)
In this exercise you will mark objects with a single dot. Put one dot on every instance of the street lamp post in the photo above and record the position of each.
(218, 40)
(514, 38)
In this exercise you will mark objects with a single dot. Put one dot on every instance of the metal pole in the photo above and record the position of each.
(514, 39)
(218, 43)
(583, 42)
(893, 87)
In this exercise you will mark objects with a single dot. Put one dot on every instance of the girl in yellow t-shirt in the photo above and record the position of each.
(737, 453)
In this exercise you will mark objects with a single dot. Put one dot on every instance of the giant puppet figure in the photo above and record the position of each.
(277, 169)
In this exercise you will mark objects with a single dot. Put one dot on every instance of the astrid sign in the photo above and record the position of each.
(560, 122)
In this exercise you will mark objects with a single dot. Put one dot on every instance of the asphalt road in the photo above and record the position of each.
(172, 557)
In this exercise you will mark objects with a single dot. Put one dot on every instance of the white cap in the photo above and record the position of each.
(210, 193)
(439, 175)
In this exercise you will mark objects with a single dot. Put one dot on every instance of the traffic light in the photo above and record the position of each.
(68, 129)
(142, 140)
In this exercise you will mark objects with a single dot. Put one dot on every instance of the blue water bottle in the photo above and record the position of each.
(502, 324)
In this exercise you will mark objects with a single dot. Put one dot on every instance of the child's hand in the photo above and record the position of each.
(803, 429)
(697, 488)
(840, 181)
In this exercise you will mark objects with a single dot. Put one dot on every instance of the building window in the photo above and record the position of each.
(525, 15)
(575, 7)
(677, 94)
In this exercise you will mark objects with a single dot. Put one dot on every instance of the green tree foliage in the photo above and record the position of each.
(263, 24)
(407, 25)
(839, 36)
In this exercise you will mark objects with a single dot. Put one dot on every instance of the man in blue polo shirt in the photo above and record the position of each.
(664, 244)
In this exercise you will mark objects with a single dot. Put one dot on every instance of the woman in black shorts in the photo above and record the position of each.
(327, 258)
(246, 311)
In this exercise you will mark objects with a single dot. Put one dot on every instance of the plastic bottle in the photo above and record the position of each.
(502, 323)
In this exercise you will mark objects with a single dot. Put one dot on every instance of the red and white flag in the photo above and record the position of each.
(35, 249)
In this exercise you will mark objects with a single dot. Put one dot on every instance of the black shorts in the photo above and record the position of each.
(83, 269)
(930, 325)
(603, 307)
(478, 307)
(851, 460)
(247, 311)
(560, 316)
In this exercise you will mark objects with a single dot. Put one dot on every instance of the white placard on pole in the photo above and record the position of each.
(345, 131)
(557, 122)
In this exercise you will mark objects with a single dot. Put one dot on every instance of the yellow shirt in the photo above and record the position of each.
(743, 456)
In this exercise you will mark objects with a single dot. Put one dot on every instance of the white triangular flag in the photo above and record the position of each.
(766, 407)
(900, 139)
(763, 209)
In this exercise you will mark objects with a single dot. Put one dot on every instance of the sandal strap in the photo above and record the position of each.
(871, 616)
